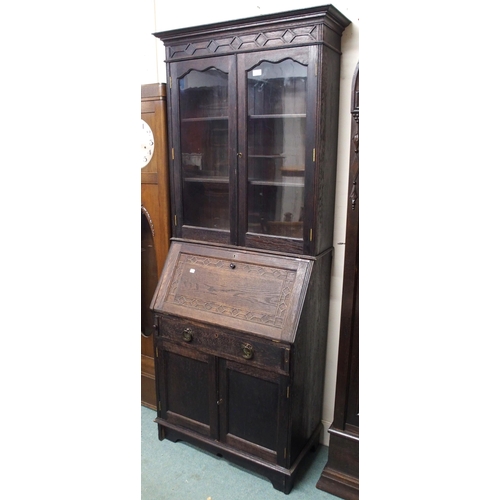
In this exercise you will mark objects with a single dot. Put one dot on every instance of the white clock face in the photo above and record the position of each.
(147, 143)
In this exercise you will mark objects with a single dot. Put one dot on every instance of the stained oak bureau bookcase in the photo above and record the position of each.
(241, 308)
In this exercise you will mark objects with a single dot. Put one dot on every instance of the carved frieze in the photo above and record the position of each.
(230, 44)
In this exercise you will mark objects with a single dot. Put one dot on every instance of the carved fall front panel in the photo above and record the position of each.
(249, 292)
(234, 289)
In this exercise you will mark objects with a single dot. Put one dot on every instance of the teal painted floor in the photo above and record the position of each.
(179, 471)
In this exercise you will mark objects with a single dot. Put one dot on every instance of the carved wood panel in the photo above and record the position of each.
(258, 40)
(251, 292)
(241, 290)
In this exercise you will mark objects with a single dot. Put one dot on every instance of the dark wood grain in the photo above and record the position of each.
(253, 292)
(252, 410)
(215, 340)
(266, 32)
(308, 357)
(326, 144)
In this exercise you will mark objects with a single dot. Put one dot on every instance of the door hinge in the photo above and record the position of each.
(157, 352)
(284, 455)
(173, 154)
(159, 405)
(314, 154)
(310, 234)
(175, 220)
(316, 69)
(170, 81)
(288, 392)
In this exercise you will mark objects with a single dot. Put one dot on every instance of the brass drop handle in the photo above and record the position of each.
(247, 351)
(239, 155)
(187, 335)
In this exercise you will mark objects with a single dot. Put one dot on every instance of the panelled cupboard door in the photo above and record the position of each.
(253, 410)
(239, 405)
(186, 379)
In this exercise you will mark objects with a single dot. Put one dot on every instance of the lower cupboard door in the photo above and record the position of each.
(253, 407)
(186, 390)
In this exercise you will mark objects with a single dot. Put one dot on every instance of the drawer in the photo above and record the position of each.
(225, 343)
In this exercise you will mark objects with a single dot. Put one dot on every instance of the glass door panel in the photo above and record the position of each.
(276, 125)
(204, 135)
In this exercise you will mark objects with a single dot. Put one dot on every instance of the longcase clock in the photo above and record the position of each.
(155, 220)
(341, 473)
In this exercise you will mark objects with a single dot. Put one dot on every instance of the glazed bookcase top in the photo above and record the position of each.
(253, 125)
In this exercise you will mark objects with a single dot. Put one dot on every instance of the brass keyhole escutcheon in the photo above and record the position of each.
(187, 335)
(247, 351)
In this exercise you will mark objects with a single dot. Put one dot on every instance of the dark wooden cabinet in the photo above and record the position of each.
(240, 345)
(341, 474)
(253, 117)
(241, 308)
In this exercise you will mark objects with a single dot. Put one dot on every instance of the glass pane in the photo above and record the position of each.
(204, 145)
(276, 147)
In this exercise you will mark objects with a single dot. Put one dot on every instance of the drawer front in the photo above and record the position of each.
(225, 343)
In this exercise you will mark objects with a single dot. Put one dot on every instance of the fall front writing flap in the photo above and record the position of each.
(247, 291)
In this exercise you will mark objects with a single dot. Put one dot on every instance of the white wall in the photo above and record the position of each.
(161, 15)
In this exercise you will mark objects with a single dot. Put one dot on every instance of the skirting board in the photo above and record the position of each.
(324, 437)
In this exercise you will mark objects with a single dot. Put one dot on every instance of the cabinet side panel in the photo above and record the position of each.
(309, 356)
(327, 148)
